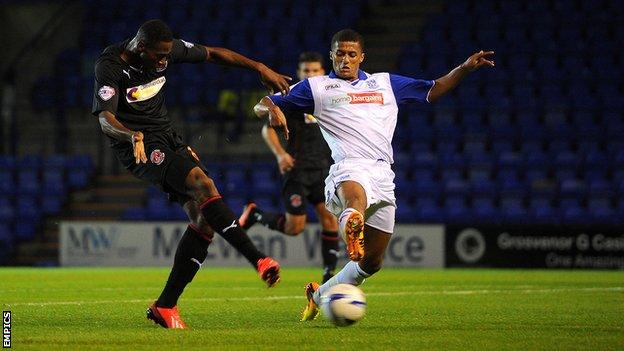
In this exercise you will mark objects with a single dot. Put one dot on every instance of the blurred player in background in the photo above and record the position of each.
(304, 165)
(129, 101)
(357, 113)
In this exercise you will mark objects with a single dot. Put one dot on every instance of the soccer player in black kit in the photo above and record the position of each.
(304, 165)
(129, 101)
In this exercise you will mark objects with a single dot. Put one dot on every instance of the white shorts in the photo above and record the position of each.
(377, 179)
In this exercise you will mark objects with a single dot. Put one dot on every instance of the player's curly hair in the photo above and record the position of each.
(348, 35)
(311, 56)
(154, 31)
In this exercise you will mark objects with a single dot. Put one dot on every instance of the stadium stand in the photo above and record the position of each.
(537, 140)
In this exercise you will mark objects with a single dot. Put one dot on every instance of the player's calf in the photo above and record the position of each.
(371, 264)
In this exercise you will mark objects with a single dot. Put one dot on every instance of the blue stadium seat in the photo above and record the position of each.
(513, 211)
(428, 210)
(456, 209)
(542, 211)
(405, 212)
(536, 176)
(28, 182)
(484, 210)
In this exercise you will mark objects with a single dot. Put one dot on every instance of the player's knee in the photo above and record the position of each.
(205, 231)
(201, 185)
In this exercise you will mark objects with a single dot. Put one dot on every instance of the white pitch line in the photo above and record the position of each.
(297, 297)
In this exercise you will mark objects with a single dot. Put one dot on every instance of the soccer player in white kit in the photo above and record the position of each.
(357, 113)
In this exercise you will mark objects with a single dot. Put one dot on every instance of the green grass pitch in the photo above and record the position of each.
(230, 309)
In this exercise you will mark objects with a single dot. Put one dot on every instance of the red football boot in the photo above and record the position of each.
(166, 317)
(269, 271)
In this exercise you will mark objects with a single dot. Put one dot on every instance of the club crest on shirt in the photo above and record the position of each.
(157, 157)
(106, 92)
(295, 200)
(372, 84)
(145, 91)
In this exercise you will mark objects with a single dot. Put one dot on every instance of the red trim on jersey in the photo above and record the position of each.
(209, 200)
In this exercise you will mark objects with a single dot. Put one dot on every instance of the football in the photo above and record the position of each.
(343, 305)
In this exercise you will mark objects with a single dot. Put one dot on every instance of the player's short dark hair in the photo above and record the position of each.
(311, 56)
(154, 31)
(348, 35)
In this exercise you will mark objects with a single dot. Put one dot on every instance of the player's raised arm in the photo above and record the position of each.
(448, 82)
(274, 81)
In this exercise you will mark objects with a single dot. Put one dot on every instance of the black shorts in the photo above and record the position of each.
(169, 161)
(302, 186)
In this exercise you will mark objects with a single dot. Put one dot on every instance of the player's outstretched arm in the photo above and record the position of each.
(274, 81)
(285, 161)
(448, 82)
(113, 128)
(277, 119)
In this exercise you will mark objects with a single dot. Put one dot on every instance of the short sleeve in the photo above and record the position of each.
(184, 51)
(106, 89)
(410, 90)
(299, 99)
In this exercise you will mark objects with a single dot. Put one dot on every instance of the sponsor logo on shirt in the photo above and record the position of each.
(106, 92)
(367, 98)
(356, 98)
(145, 91)
(157, 157)
(332, 86)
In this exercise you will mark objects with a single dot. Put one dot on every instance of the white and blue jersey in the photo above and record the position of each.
(357, 118)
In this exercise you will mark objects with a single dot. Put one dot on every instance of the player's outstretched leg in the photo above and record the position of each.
(223, 221)
(353, 272)
(190, 254)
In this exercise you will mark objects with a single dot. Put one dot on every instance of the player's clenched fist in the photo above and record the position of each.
(139, 148)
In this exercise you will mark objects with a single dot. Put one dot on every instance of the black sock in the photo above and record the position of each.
(329, 250)
(190, 254)
(274, 221)
(222, 220)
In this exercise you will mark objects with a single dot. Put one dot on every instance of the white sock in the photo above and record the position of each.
(342, 220)
(351, 273)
